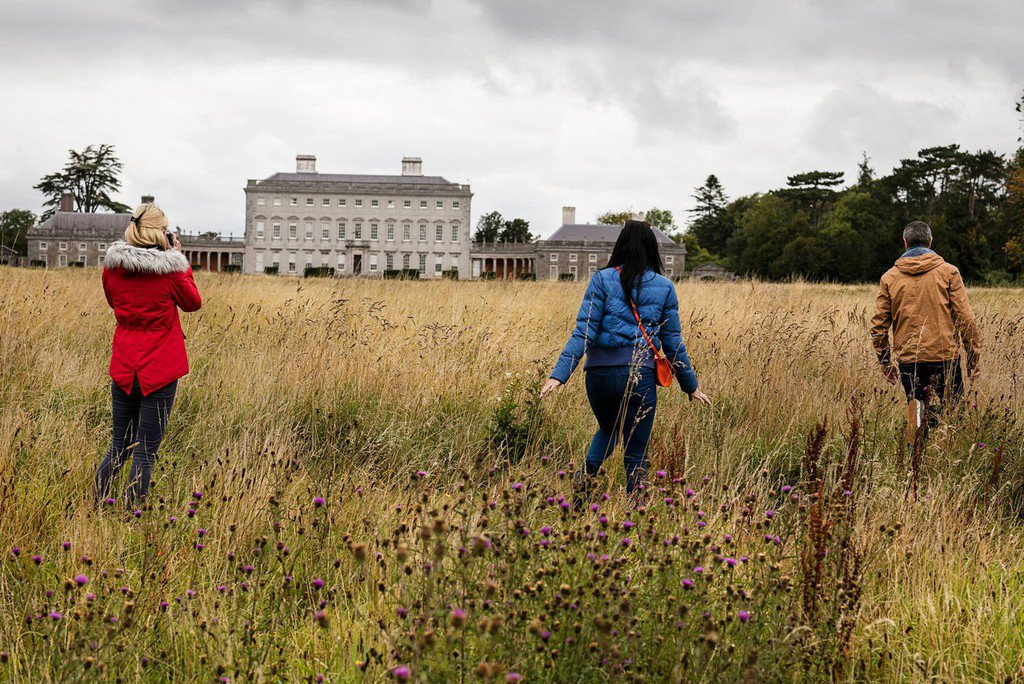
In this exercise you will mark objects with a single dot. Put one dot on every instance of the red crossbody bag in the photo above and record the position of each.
(663, 371)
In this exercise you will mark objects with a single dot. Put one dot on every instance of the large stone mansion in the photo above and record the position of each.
(354, 225)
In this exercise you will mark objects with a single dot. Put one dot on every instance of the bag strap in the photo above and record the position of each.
(636, 314)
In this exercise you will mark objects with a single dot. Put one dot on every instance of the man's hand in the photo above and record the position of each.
(550, 385)
(701, 398)
(891, 373)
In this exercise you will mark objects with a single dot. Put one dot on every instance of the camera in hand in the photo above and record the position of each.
(170, 240)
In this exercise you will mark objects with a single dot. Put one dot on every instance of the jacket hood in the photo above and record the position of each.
(142, 260)
(916, 265)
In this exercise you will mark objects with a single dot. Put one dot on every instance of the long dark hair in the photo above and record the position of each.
(635, 252)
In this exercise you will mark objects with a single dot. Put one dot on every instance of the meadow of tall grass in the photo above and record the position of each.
(359, 483)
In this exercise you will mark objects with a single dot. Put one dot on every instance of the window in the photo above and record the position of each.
(390, 232)
(341, 201)
(438, 266)
(359, 202)
(277, 231)
(43, 246)
(374, 203)
(357, 231)
(259, 262)
(423, 232)
(670, 259)
(668, 271)
(423, 263)
(62, 246)
(572, 269)
(294, 201)
(455, 232)
(309, 259)
(277, 201)
(326, 202)
(309, 201)
(373, 231)
(592, 258)
(259, 229)
(293, 230)
(309, 230)
(553, 271)
(406, 232)
(81, 246)
(325, 231)
(83, 260)
(100, 260)
(341, 230)
(573, 256)
(454, 258)
(407, 204)
(455, 204)
(341, 263)
(62, 260)
(440, 204)
(439, 232)
(405, 261)
(391, 204)
(260, 201)
(373, 262)
(389, 261)
(102, 247)
(554, 256)
(423, 204)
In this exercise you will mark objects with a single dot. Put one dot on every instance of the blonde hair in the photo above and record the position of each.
(147, 228)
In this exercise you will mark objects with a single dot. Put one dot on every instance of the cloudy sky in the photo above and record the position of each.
(600, 104)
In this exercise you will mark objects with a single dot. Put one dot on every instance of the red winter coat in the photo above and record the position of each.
(145, 288)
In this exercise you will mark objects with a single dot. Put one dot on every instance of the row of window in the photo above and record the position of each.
(553, 271)
(62, 260)
(343, 202)
(592, 258)
(357, 231)
(63, 246)
(373, 262)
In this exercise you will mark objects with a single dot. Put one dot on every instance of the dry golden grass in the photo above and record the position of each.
(304, 387)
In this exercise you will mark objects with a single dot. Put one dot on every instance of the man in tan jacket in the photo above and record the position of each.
(922, 299)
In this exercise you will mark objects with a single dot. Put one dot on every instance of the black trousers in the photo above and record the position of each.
(139, 425)
(940, 383)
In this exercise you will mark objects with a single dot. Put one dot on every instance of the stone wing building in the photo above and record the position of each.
(71, 238)
(574, 251)
(357, 224)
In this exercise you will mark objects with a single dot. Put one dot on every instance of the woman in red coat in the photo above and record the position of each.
(146, 279)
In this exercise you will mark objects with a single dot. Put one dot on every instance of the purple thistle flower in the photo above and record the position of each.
(687, 583)
(66, 545)
(221, 588)
(769, 514)
(15, 551)
(81, 580)
(517, 486)
(110, 500)
(690, 493)
(660, 473)
(401, 673)
(594, 507)
(786, 489)
(247, 568)
(318, 583)
(626, 541)
(37, 559)
(731, 562)
(743, 615)
(197, 495)
(318, 501)
(56, 616)
(513, 677)
(626, 524)
(201, 532)
(545, 635)
(546, 530)
(699, 570)
(137, 513)
(421, 473)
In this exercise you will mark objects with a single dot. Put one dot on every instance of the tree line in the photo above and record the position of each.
(819, 228)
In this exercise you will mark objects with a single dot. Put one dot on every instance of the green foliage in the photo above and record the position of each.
(450, 274)
(515, 422)
(710, 223)
(14, 227)
(615, 218)
(493, 228)
(318, 272)
(566, 277)
(402, 274)
(91, 176)
(271, 270)
(528, 276)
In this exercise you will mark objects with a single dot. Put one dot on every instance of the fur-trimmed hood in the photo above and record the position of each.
(122, 255)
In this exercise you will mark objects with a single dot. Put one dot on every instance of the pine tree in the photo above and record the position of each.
(91, 176)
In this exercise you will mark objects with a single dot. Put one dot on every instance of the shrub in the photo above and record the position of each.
(271, 270)
(231, 268)
(318, 272)
(528, 276)
(567, 277)
(450, 274)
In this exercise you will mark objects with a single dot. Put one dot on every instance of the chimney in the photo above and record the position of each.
(305, 163)
(568, 216)
(148, 199)
(412, 166)
(67, 201)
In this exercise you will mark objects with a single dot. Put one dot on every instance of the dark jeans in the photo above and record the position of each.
(938, 383)
(623, 401)
(139, 425)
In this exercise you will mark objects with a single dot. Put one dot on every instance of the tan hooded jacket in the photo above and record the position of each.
(924, 301)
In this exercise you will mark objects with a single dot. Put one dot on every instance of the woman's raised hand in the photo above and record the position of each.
(548, 386)
(701, 397)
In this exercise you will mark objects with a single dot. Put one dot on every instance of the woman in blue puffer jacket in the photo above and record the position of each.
(621, 384)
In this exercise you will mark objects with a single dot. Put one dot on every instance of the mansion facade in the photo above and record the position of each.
(357, 224)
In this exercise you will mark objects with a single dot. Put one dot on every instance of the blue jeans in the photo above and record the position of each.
(623, 401)
(139, 425)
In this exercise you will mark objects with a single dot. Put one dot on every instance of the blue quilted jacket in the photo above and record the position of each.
(607, 333)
